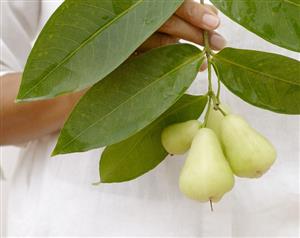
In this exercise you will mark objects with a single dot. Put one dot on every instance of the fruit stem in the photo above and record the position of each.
(210, 92)
(217, 104)
(220, 109)
(207, 111)
(219, 90)
(211, 205)
(218, 78)
(208, 58)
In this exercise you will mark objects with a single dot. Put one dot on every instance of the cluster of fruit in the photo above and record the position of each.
(227, 145)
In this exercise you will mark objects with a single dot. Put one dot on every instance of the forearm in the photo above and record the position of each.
(22, 122)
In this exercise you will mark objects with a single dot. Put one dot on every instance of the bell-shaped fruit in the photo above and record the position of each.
(248, 152)
(206, 175)
(177, 138)
(215, 117)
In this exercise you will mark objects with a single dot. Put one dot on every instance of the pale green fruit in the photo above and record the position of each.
(206, 174)
(177, 138)
(248, 152)
(215, 117)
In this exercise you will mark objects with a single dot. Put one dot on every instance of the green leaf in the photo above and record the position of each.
(85, 40)
(143, 151)
(263, 79)
(130, 98)
(277, 21)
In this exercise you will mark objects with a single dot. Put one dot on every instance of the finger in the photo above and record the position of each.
(211, 7)
(178, 28)
(157, 40)
(203, 16)
(216, 41)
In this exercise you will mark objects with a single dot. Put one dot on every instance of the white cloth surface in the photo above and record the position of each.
(54, 196)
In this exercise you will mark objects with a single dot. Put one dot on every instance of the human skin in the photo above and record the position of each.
(23, 122)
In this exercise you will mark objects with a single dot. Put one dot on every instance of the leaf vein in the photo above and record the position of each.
(131, 97)
(255, 71)
(144, 133)
(85, 42)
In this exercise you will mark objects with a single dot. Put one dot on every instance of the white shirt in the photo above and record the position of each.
(54, 196)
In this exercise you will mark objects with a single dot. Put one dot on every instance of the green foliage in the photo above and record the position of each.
(87, 43)
(85, 40)
(143, 151)
(277, 21)
(263, 79)
(130, 98)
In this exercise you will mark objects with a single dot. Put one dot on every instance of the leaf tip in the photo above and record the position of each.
(55, 152)
(19, 98)
(97, 183)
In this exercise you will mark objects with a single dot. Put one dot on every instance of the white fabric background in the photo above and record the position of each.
(54, 197)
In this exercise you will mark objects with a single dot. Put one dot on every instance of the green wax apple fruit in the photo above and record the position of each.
(248, 152)
(215, 117)
(177, 138)
(206, 174)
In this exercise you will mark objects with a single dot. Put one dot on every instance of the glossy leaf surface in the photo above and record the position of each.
(130, 98)
(143, 151)
(277, 21)
(263, 79)
(85, 40)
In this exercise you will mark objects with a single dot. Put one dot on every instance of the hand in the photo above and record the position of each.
(188, 23)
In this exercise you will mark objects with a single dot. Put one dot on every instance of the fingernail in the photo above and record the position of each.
(217, 41)
(210, 21)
